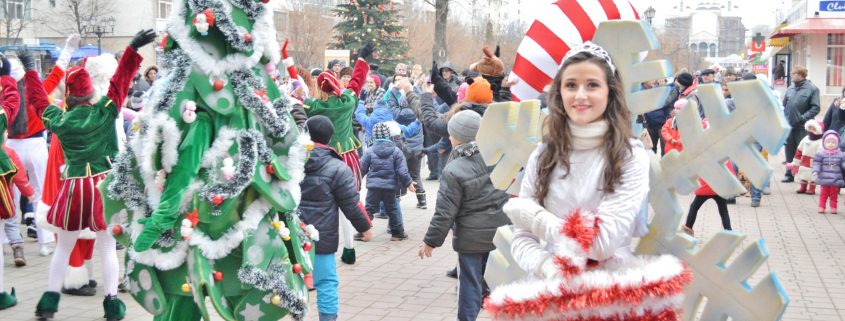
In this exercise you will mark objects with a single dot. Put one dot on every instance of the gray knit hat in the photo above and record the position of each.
(464, 125)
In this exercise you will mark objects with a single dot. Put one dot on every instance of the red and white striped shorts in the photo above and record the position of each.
(78, 205)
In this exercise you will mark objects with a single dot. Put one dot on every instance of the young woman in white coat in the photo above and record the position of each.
(587, 161)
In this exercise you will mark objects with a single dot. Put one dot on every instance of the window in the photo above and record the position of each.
(18, 9)
(164, 7)
(835, 78)
(280, 19)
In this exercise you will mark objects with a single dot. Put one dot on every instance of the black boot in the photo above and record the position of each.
(421, 202)
(788, 178)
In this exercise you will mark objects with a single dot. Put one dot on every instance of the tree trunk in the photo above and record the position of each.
(441, 16)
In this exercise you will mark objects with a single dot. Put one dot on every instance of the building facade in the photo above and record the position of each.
(709, 30)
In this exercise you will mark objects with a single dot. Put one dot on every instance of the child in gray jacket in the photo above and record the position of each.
(471, 206)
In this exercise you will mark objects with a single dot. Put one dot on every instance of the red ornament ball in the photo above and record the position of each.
(248, 37)
(265, 1)
(297, 268)
(270, 169)
(218, 276)
(218, 85)
(306, 246)
(117, 230)
(217, 200)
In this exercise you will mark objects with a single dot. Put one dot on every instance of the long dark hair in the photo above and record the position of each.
(557, 131)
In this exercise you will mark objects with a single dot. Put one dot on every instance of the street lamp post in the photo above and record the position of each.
(99, 28)
(649, 14)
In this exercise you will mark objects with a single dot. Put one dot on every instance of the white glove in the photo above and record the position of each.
(71, 45)
(548, 269)
(527, 214)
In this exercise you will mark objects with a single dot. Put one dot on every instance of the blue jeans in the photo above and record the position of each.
(325, 282)
(470, 277)
(757, 193)
(13, 233)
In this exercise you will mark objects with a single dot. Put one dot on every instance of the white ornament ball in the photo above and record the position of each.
(189, 114)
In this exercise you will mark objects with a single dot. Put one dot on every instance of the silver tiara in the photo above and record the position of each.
(593, 49)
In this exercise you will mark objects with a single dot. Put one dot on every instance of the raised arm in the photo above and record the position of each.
(441, 86)
(36, 95)
(58, 73)
(11, 96)
(128, 67)
(361, 70)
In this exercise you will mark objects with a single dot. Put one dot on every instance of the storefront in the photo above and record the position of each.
(813, 36)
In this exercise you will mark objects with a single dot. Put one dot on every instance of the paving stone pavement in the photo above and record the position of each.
(389, 282)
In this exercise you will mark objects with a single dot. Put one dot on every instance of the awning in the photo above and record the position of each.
(43, 46)
(812, 25)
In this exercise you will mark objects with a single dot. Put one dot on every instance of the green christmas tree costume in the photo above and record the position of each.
(205, 195)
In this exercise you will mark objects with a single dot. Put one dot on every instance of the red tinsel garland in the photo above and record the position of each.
(573, 301)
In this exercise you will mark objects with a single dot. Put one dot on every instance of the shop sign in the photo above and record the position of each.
(779, 42)
(832, 6)
(760, 69)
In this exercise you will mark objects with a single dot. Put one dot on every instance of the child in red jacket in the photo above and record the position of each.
(702, 194)
(670, 133)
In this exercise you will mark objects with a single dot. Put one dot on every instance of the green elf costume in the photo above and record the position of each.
(11, 100)
(89, 140)
(339, 105)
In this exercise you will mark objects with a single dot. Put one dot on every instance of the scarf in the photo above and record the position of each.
(372, 97)
(589, 136)
(464, 150)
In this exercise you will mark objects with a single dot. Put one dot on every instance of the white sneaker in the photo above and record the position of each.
(46, 250)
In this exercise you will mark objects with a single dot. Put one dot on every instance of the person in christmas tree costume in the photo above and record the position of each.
(205, 195)
(11, 102)
(89, 139)
(338, 104)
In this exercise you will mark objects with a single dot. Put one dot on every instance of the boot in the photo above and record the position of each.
(47, 306)
(8, 300)
(421, 203)
(348, 256)
(803, 188)
(84, 290)
(811, 190)
(17, 253)
(115, 309)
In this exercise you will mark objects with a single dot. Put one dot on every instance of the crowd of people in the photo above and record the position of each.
(378, 129)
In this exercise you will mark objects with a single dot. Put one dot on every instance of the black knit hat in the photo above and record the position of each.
(685, 79)
(320, 128)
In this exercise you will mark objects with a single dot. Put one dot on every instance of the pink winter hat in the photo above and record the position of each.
(462, 91)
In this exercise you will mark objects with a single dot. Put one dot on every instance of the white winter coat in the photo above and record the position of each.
(581, 190)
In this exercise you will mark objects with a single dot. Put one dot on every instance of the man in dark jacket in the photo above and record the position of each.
(329, 185)
(655, 119)
(468, 203)
(801, 103)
